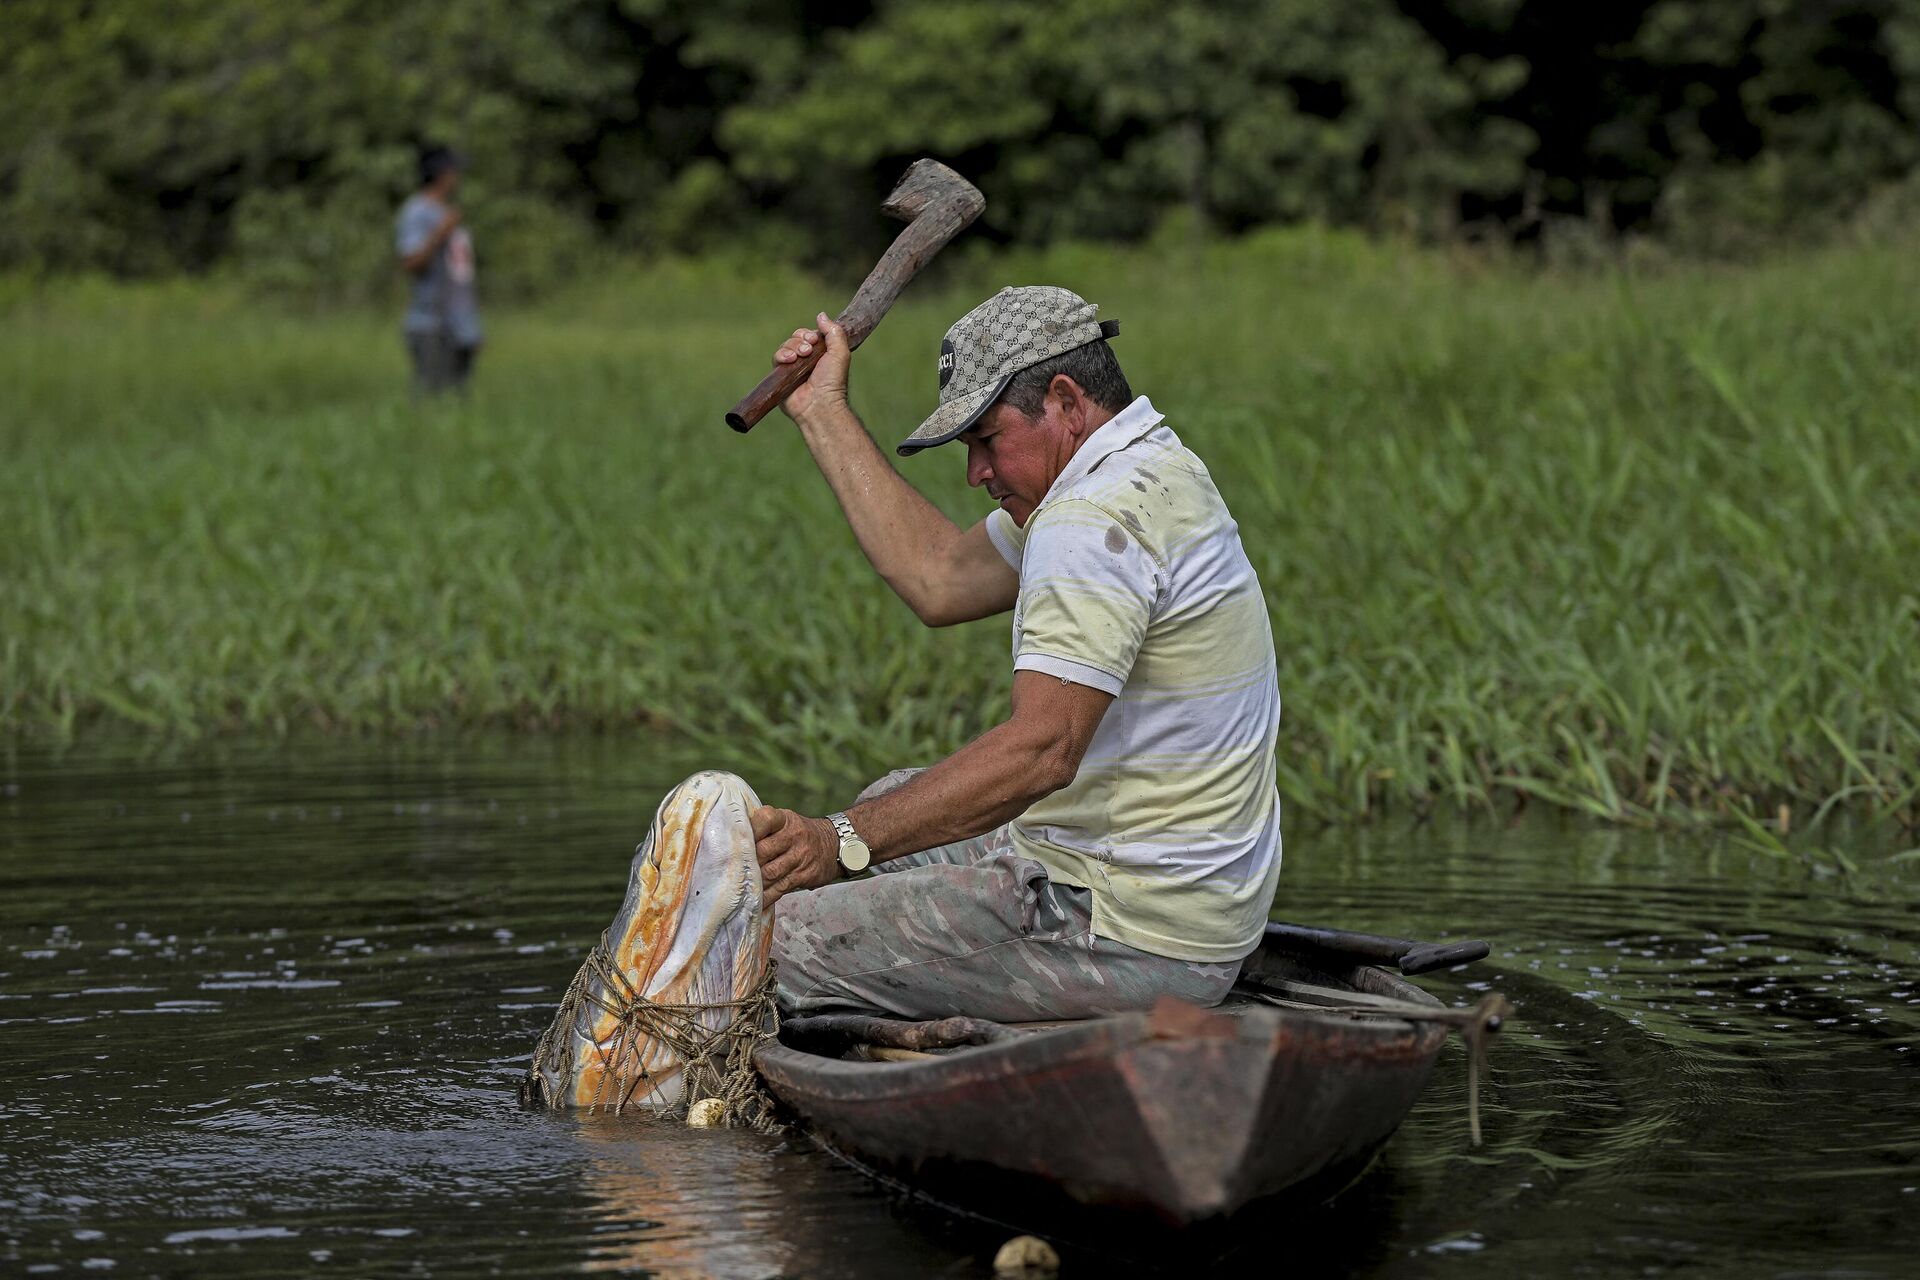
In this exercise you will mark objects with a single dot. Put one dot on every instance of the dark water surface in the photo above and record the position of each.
(263, 1012)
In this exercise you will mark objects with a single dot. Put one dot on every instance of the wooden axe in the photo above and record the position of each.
(936, 204)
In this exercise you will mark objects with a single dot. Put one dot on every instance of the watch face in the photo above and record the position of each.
(854, 855)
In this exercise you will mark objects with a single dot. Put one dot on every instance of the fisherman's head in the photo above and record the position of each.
(1025, 378)
(440, 169)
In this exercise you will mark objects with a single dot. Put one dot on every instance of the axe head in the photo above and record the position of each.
(928, 183)
(936, 204)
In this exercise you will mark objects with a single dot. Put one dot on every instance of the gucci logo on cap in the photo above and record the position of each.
(946, 362)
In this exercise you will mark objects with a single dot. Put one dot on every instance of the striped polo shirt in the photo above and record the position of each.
(1133, 581)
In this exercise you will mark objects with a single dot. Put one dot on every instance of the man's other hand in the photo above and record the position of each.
(826, 386)
(796, 852)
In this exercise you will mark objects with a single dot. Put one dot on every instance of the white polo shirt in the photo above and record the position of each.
(1133, 581)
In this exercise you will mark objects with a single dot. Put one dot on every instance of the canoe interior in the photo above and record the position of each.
(1188, 1114)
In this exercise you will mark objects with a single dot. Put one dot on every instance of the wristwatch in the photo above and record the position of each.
(854, 854)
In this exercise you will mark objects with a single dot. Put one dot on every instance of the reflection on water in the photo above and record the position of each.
(264, 1011)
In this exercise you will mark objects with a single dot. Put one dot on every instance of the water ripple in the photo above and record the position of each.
(287, 1033)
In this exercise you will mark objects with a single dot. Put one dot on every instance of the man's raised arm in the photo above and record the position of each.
(945, 574)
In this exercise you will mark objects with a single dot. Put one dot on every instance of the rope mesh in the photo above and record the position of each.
(716, 1063)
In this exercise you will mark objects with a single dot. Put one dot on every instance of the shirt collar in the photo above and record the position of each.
(1116, 433)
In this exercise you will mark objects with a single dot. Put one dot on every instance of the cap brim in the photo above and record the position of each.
(952, 419)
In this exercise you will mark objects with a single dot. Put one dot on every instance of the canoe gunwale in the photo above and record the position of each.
(1115, 1030)
(1188, 1116)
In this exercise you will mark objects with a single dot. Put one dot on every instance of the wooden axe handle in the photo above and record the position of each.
(937, 204)
(773, 390)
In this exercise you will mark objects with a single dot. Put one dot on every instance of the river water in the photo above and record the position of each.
(263, 1009)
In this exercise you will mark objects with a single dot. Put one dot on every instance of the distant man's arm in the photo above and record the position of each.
(945, 574)
(417, 260)
(985, 784)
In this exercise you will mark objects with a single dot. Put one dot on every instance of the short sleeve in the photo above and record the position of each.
(414, 225)
(1088, 590)
(1006, 537)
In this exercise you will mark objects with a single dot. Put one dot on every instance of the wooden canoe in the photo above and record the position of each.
(1189, 1113)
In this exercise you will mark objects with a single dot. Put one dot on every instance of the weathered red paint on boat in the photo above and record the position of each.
(1187, 1112)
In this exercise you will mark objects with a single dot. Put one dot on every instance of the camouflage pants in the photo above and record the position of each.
(970, 928)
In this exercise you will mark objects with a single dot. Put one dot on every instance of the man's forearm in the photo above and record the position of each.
(418, 261)
(901, 533)
(987, 783)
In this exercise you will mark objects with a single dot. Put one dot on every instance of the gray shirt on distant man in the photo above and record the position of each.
(442, 325)
(443, 300)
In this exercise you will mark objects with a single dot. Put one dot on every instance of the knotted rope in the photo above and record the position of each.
(715, 1063)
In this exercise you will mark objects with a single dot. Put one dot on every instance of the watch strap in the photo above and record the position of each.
(848, 836)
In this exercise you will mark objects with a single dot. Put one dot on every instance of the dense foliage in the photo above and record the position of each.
(1641, 546)
(145, 138)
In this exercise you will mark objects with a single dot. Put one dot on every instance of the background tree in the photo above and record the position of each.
(144, 139)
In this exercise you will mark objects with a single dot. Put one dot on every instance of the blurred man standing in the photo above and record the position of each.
(443, 317)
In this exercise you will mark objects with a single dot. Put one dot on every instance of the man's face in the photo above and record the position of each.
(1017, 458)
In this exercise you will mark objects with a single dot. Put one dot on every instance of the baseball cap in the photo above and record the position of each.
(1013, 330)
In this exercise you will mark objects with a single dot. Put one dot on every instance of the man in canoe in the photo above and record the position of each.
(1117, 836)
(1115, 839)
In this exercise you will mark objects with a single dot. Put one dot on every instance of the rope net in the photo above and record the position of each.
(715, 1063)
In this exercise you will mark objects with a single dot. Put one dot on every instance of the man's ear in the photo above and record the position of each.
(1072, 400)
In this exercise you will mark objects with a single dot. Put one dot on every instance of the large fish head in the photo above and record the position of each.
(691, 932)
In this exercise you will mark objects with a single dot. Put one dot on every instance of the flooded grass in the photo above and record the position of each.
(1638, 547)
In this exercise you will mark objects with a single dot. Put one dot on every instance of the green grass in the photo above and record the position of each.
(1644, 548)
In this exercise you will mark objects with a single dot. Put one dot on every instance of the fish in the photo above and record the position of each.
(691, 933)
